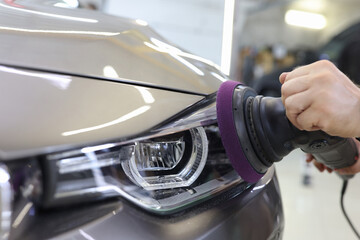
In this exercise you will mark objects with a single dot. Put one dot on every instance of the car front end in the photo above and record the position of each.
(110, 131)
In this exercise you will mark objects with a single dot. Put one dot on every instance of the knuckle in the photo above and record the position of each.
(325, 110)
(325, 64)
(323, 96)
(307, 127)
(325, 125)
(322, 78)
(326, 94)
(288, 103)
(292, 106)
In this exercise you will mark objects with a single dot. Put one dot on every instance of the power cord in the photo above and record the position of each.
(343, 190)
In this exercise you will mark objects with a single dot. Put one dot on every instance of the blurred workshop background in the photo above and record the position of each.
(254, 41)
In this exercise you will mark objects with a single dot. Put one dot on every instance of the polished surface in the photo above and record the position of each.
(90, 43)
(54, 96)
(254, 214)
(42, 112)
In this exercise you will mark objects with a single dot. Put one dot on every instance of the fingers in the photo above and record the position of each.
(321, 167)
(350, 170)
(308, 120)
(344, 171)
(290, 88)
(297, 72)
(296, 96)
(306, 70)
(309, 157)
(295, 106)
(354, 168)
(283, 77)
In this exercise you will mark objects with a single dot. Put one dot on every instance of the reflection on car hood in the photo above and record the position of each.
(44, 112)
(92, 44)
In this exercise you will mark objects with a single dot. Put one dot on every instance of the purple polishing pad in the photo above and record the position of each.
(230, 139)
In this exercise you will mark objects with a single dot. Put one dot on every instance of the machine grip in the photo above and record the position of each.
(335, 154)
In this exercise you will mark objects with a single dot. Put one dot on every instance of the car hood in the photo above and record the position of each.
(72, 78)
(95, 45)
(46, 112)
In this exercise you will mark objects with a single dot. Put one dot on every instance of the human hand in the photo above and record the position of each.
(343, 171)
(320, 97)
(354, 168)
(321, 167)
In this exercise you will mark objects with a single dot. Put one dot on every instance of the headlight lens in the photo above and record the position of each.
(168, 162)
(172, 168)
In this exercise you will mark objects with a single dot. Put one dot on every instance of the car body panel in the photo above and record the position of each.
(88, 43)
(71, 79)
(43, 112)
(252, 215)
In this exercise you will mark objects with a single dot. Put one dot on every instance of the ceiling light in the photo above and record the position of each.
(305, 19)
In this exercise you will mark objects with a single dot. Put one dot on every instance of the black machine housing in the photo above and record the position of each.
(266, 135)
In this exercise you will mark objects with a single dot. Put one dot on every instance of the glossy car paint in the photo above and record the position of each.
(43, 112)
(57, 48)
(98, 45)
(71, 78)
(255, 214)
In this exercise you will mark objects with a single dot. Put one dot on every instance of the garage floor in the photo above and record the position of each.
(313, 212)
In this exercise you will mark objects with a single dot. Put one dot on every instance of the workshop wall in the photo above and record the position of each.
(195, 25)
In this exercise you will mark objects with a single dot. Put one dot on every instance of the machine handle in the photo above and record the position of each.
(334, 152)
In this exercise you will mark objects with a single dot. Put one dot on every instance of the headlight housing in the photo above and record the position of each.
(167, 162)
(174, 166)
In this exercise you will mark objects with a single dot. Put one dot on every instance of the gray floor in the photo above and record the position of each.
(313, 212)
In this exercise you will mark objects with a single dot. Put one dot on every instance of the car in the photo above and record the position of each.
(108, 131)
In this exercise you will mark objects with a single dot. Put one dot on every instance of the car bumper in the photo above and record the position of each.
(256, 213)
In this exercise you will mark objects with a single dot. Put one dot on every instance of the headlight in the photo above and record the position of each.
(167, 162)
(176, 165)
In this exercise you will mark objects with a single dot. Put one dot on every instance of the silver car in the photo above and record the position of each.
(110, 132)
